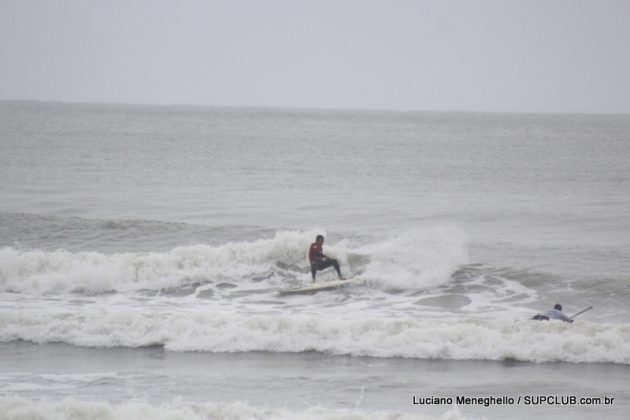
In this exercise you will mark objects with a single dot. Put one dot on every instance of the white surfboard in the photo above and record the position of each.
(317, 286)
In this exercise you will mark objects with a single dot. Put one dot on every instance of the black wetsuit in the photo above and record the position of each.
(323, 264)
(319, 261)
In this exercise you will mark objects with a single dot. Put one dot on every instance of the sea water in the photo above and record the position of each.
(141, 249)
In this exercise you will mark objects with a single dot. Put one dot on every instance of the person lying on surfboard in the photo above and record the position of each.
(319, 261)
(555, 313)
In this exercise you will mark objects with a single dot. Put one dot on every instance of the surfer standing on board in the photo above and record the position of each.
(319, 261)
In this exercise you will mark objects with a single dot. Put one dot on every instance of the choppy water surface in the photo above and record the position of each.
(135, 226)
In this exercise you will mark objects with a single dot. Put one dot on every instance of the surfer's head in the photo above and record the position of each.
(557, 306)
(319, 239)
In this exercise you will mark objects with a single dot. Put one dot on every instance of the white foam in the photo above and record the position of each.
(414, 259)
(461, 339)
(17, 408)
(417, 259)
(36, 271)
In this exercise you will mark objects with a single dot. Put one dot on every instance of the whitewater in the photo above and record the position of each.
(144, 246)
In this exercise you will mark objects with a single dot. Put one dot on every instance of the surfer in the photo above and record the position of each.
(319, 261)
(555, 313)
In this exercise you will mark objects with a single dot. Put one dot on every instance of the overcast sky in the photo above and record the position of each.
(475, 55)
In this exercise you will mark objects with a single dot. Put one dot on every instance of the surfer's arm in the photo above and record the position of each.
(563, 317)
(321, 256)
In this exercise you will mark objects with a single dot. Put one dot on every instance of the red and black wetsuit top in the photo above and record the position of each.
(316, 252)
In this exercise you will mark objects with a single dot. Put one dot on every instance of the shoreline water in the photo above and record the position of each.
(298, 382)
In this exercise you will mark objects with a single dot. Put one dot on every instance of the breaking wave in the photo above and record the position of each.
(414, 259)
(449, 339)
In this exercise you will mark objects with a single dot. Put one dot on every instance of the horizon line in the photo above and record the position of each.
(310, 108)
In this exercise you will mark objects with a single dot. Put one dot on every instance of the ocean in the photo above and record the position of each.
(142, 247)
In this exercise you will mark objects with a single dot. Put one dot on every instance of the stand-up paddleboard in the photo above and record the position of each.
(317, 286)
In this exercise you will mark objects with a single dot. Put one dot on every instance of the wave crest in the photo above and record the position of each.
(449, 339)
(420, 258)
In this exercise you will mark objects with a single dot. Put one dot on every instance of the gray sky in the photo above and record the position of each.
(476, 55)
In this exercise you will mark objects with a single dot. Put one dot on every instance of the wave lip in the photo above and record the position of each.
(450, 339)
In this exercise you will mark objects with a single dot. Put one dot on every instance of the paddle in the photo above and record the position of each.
(581, 312)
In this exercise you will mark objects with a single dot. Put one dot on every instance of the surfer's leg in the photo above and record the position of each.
(331, 263)
(313, 271)
(336, 265)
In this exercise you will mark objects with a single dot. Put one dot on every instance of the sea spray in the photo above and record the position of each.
(418, 258)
